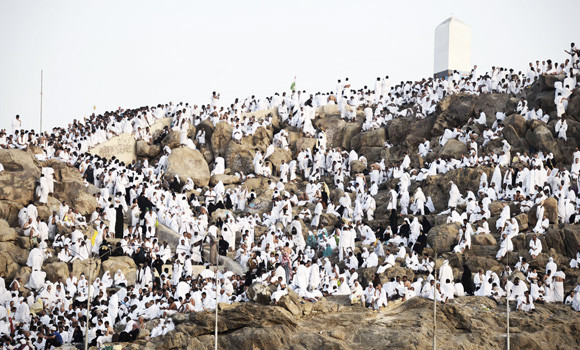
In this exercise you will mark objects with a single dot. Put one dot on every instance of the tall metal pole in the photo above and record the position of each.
(88, 308)
(507, 302)
(435, 295)
(217, 285)
(41, 101)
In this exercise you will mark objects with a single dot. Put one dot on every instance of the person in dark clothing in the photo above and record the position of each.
(420, 244)
(90, 175)
(144, 204)
(127, 337)
(119, 223)
(105, 251)
(223, 247)
(467, 281)
(175, 185)
(53, 340)
(228, 205)
(426, 225)
(394, 220)
(78, 336)
(405, 230)
(118, 251)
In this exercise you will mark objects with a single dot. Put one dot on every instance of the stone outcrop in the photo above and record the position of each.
(122, 147)
(188, 163)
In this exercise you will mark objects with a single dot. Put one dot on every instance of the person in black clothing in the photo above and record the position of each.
(223, 246)
(119, 223)
(405, 229)
(105, 250)
(118, 251)
(426, 225)
(228, 204)
(394, 220)
(90, 175)
(78, 336)
(467, 281)
(140, 257)
(175, 184)
(420, 244)
(144, 204)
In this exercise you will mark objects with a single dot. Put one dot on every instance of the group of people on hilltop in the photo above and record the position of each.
(310, 241)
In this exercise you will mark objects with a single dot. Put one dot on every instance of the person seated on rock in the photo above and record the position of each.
(535, 246)
(525, 302)
(542, 225)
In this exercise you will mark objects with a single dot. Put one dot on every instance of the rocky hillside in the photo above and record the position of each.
(464, 323)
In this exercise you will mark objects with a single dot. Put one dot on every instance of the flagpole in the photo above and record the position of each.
(216, 297)
(435, 294)
(507, 301)
(41, 100)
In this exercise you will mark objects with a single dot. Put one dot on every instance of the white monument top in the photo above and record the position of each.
(452, 47)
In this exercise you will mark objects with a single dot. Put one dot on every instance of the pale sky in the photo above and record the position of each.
(112, 54)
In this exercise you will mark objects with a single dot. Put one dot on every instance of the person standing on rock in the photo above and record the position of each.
(42, 190)
(16, 124)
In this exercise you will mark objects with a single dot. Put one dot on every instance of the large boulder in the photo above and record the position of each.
(9, 211)
(278, 156)
(443, 237)
(262, 137)
(121, 147)
(172, 140)
(9, 260)
(123, 263)
(20, 176)
(374, 138)
(70, 188)
(188, 163)
(7, 234)
(82, 267)
(239, 158)
(76, 194)
(564, 241)
(356, 166)
(259, 293)
(490, 104)
(56, 270)
(542, 139)
(147, 150)
(454, 149)
(574, 105)
(485, 239)
(412, 132)
(522, 220)
(438, 186)
(220, 138)
(225, 179)
(551, 210)
(518, 123)
(453, 111)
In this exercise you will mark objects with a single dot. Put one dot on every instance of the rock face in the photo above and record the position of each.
(402, 325)
(56, 270)
(121, 147)
(454, 149)
(220, 138)
(225, 179)
(19, 178)
(542, 139)
(123, 263)
(444, 237)
(239, 157)
(143, 149)
(260, 294)
(186, 162)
